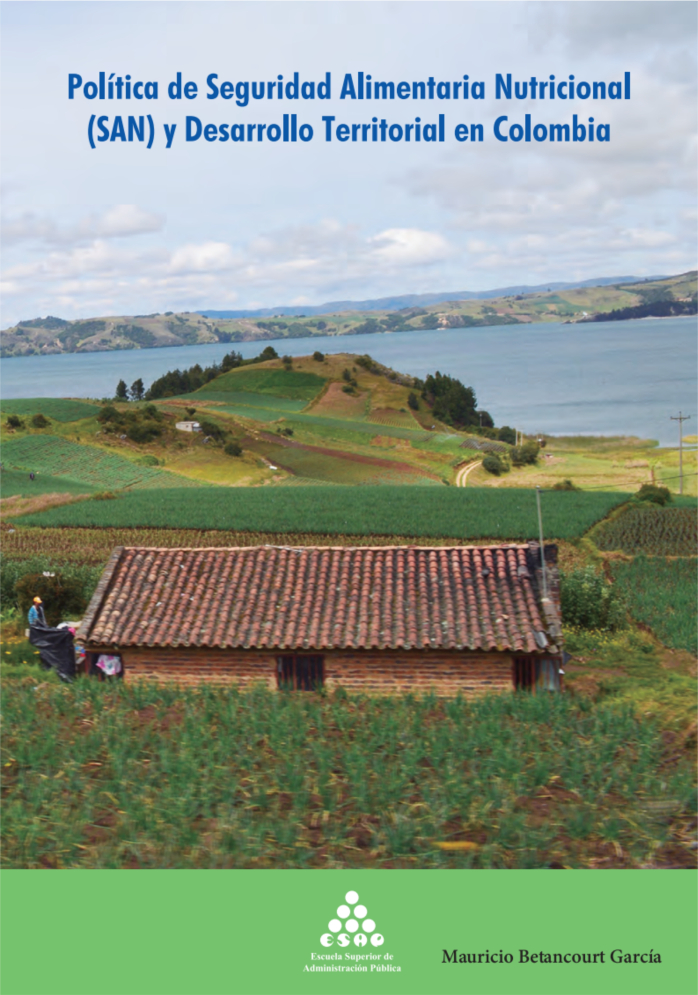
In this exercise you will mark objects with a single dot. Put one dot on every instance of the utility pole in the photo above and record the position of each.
(681, 418)
(542, 547)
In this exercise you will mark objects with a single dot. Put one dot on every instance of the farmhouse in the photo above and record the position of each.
(465, 619)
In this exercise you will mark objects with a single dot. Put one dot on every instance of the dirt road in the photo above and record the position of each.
(462, 475)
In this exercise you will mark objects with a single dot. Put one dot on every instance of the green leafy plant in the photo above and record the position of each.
(588, 601)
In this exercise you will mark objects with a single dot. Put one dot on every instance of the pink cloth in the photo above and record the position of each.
(109, 664)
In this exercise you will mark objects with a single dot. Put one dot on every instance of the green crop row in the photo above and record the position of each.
(14, 482)
(472, 513)
(53, 456)
(142, 776)
(662, 594)
(652, 530)
(58, 408)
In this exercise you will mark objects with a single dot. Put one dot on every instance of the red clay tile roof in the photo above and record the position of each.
(467, 597)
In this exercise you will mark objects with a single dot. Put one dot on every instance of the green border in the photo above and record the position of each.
(234, 932)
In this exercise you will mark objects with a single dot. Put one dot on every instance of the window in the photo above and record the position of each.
(300, 673)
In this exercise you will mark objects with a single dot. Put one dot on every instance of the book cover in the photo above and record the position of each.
(322, 297)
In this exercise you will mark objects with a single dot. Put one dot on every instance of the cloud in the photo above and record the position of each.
(120, 221)
(305, 263)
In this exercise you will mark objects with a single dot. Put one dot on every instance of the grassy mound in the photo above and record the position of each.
(280, 383)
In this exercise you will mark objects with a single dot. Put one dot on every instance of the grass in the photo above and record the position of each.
(100, 776)
(17, 482)
(646, 528)
(630, 668)
(280, 383)
(437, 511)
(663, 595)
(59, 408)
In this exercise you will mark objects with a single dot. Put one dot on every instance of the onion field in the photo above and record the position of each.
(662, 594)
(140, 776)
(469, 514)
(53, 456)
(652, 530)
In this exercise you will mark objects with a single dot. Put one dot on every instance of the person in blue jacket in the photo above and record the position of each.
(36, 613)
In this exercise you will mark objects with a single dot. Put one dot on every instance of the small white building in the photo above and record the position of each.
(188, 426)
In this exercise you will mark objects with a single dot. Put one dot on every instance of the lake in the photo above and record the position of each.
(604, 378)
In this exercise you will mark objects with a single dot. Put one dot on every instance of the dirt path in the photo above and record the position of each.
(462, 475)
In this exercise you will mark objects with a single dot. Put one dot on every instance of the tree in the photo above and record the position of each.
(525, 455)
(318, 356)
(266, 354)
(412, 401)
(137, 390)
(232, 449)
(451, 401)
(121, 391)
(507, 434)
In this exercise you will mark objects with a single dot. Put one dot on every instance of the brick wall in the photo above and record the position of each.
(379, 673)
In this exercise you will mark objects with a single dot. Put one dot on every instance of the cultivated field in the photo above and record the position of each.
(145, 777)
(652, 530)
(662, 594)
(440, 511)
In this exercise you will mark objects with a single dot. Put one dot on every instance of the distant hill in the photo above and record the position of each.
(420, 300)
(555, 302)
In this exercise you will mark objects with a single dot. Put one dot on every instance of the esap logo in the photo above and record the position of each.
(354, 921)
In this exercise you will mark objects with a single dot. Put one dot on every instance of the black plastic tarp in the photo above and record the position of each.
(55, 648)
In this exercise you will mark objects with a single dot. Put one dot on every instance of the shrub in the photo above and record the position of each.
(190, 411)
(493, 464)
(589, 602)
(348, 389)
(143, 431)
(151, 411)
(232, 449)
(506, 434)
(214, 431)
(565, 485)
(40, 421)
(108, 414)
(654, 493)
(413, 401)
(346, 374)
(287, 361)
(318, 356)
(366, 362)
(104, 496)
(62, 596)
(14, 421)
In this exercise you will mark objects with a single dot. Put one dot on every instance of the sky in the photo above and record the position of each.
(123, 229)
